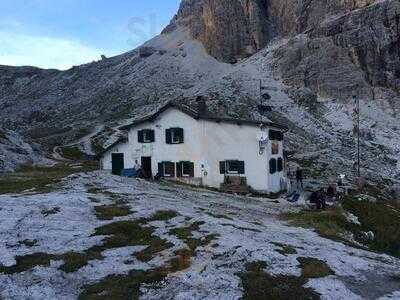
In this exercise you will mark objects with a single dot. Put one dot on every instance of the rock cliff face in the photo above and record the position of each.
(228, 29)
(337, 47)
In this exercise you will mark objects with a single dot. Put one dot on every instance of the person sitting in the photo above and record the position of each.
(321, 203)
(331, 194)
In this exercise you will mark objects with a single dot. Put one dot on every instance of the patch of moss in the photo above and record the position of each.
(383, 219)
(27, 262)
(72, 153)
(285, 249)
(40, 179)
(109, 212)
(330, 223)
(186, 234)
(182, 261)
(258, 284)
(314, 268)
(162, 215)
(73, 261)
(123, 286)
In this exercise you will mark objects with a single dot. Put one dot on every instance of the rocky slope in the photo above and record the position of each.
(311, 57)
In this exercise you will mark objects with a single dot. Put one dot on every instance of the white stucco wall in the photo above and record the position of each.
(206, 143)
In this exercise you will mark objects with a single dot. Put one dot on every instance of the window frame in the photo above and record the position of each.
(146, 136)
(224, 167)
(164, 164)
(173, 136)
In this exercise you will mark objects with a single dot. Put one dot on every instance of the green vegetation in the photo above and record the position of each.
(40, 179)
(330, 223)
(258, 284)
(123, 286)
(109, 212)
(381, 218)
(314, 268)
(285, 249)
(72, 153)
(162, 215)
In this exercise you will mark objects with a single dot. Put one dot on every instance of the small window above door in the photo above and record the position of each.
(146, 136)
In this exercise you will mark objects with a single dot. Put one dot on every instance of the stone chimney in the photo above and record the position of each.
(201, 106)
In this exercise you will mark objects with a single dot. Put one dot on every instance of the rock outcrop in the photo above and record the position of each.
(228, 29)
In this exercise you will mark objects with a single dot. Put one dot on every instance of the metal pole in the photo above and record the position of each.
(358, 137)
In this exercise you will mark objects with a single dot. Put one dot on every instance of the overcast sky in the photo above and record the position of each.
(62, 33)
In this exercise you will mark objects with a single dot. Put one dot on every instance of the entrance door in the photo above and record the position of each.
(146, 167)
(117, 161)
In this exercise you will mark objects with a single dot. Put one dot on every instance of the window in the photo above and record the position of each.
(280, 164)
(146, 136)
(185, 169)
(174, 136)
(275, 148)
(272, 166)
(166, 169)
(231, 167)
(275, 135)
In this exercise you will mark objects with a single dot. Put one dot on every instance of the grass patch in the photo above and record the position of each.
(383, 219)
(72, 153)
(109, 212)
(314, 268)
(73, 261)
(330, 223)
(285, 249)
(186, 234)
(27, 262)
(39, 179)
(123, 286)
(162, 215)
(182, 261)
(258, 284)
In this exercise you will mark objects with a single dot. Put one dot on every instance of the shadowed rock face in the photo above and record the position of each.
(337, 47)
(229, 29)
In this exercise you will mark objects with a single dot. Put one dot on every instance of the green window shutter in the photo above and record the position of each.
(152, 135)
(180, 134)
(241, 167)
(280, 136)
(272, 166)
(160, 169)
(222, 167)
(280, 164)
(191, 166)
(140, 136)
(168, 136)
(179, 166)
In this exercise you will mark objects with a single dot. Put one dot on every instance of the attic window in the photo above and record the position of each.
(146, 136)
(174, 136)
(275, 135)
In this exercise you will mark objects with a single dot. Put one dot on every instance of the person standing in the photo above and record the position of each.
(299, 177)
